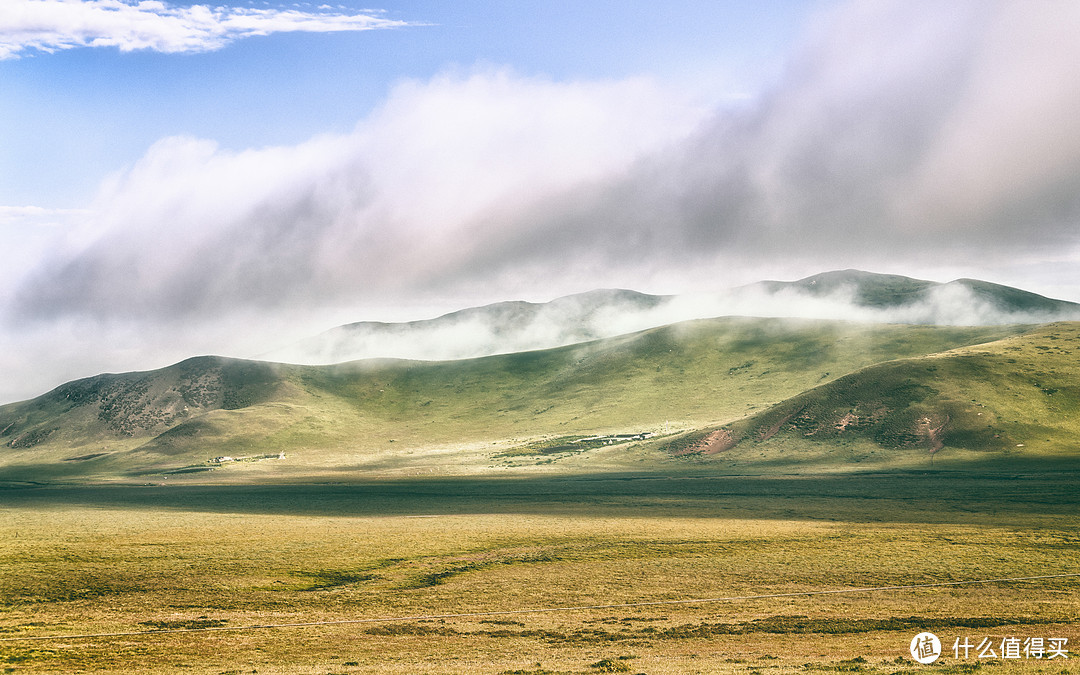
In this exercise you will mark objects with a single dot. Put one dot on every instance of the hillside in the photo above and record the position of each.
(508, 327)
(867, 288)
(458, 416)
(1016, 398)
(891, 291)
(136, 404)
(503, 327)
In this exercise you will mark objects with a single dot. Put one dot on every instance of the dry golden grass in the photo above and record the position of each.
(106, 560)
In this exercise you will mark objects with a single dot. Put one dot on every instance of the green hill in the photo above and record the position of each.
(502, 327)
(507, 327)
(1013, 399)
(891, 291)
(462, 416)
(869, 289)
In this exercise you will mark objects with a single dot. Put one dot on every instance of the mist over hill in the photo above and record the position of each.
(381, 415)
(500, 328)
(509, 327)
(910, 369)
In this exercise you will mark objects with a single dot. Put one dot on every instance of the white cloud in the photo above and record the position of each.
(906, 137)
(198, 249)
(193, 229)
(35, 216)
(53, 25)
(29, 234)
(1013, 139)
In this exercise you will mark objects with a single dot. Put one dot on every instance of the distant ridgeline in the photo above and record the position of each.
(508, 327)
(732, 390)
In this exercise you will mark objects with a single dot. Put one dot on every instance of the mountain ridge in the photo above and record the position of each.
(496, 328)
(513, 326)
(730, 385)
(893, 290)
(388, 415)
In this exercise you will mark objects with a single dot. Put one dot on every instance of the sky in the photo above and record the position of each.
(180, 178)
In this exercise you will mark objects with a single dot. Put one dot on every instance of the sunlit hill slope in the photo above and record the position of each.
(1008, 399)
(913, 391)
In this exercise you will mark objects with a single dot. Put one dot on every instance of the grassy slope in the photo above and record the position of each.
(871, 290)
(383, 416)
(891, 290)
(1016, 398)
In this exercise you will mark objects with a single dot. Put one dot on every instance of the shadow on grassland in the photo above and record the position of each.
(913, 497)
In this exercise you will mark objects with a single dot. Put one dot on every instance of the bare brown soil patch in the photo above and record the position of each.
(712, 443)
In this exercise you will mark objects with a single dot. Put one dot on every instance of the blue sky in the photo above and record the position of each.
(190, 177)
(70, 117)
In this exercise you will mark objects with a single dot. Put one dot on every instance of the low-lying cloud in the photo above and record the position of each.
(920, 138)
(28, 26)
(507, 328)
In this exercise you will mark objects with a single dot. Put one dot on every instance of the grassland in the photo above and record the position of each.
(123, 559)
(456, 498)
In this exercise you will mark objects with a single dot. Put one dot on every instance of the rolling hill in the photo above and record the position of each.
(503, 327)
(891, 291)
(527, 411)
(509, 327)
(764, 392)
(1011, 399)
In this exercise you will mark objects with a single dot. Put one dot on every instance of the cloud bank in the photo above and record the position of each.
(27, 26)
(920, 132)
(930, 133)
(921, 138)
(511, 327)
(193, 230)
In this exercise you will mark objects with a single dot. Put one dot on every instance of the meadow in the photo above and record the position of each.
(403, 517)
(182, 569)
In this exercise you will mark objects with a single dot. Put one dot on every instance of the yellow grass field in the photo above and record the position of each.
(207, 579)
